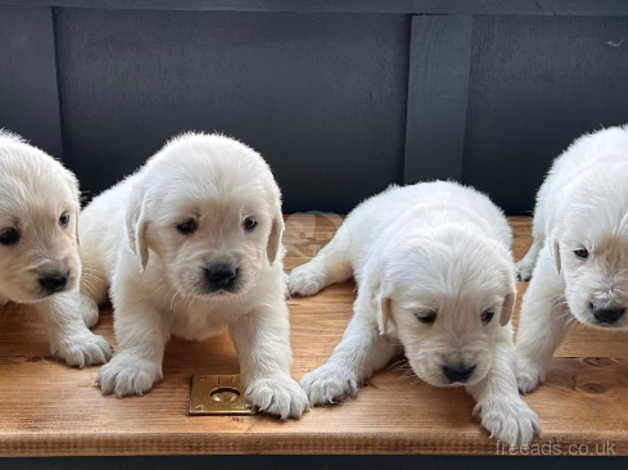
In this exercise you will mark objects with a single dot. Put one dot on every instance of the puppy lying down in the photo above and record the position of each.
(39, 259)
(435, 274)
(580, 234)
(190, 245)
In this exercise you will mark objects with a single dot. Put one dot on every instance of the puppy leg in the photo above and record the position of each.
(525, 265)
(68, 335)
(94, 286)
(331, 265)
(543, 322)
(361, 351)
(262, 339)
(142, 333)
(503, 413)
(89, 310)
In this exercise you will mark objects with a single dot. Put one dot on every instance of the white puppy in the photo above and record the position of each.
(434, 272)
(191, 245)
(580, 234)
(39, 259)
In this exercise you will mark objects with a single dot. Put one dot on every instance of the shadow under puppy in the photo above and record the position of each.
(579, 256)
(39, 258)
(434, 272)
(191, 245)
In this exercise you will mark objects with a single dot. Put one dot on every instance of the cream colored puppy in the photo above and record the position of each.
(580, 234)
(39, 260)
(434, 272)
(191, 245)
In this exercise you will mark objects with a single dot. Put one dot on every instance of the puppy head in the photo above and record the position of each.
(210, 209)
(444, 295)
(39, 207)
(590, 247)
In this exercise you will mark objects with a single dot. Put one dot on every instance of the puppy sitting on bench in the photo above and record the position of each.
(579, 256)
(39, 258)
(190, 245)
(435, 273)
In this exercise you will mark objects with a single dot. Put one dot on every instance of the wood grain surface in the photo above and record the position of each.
(47, 408)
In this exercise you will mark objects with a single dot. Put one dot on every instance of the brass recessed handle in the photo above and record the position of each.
(218, 395)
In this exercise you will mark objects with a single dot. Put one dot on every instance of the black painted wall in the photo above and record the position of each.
(342, 98)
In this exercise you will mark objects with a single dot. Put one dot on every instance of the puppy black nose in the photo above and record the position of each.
(458, 373)
(53, 282)
(609, 315)
(221, 275)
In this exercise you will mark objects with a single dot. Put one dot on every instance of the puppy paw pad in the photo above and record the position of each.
(278, 395)
(328, 385)
(84, 349)
(304, 281)
(128, 375)
(509, 420)
(529, 375)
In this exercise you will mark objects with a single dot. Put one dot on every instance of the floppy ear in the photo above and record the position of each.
(555, 250)
(274, 239)
(76, 196)
(136, 225)
(385, 321)
(508, 307)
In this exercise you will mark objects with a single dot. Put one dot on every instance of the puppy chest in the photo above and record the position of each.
(197, 326)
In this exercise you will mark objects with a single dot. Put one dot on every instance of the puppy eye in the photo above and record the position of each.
(64, 220)
(427, 318)
(187, 227)
(581, 253)
(487, 316)
(249, 224)
(9, 236)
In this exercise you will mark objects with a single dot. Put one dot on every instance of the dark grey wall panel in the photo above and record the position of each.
(439, 7)
(322, 97)
(536, 84)
(29, 101)
(438, 84)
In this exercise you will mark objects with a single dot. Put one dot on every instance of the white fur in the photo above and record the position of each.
(35, 190)
(431, 247)
(583, 203)
(130, 241)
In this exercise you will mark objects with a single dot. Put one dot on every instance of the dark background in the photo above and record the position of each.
(342, 98)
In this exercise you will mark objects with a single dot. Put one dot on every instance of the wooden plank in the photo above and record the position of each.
(29, 98)
(49, 409)
(440, 50)
(438, 7)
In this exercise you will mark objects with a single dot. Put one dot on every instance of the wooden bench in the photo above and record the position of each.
(49, 409)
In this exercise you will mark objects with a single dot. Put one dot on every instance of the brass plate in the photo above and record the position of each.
(218, 395)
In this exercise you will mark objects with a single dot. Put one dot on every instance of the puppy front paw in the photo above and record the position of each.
(128, 374)
(524, 270)
(329, 384)
(305, 280)
(82, 349)
(509, 420)
(278, 395)
(89, 311)
(529, 374)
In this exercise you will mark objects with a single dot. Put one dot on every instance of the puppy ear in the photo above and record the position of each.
(508, 307)
(274, 239)
(385, 321)
(136, 225)
(73, 184)
(555, 250)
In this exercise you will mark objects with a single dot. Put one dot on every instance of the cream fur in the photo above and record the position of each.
(157, 275)
(582, 204)
(428, 248)
(35, 191)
